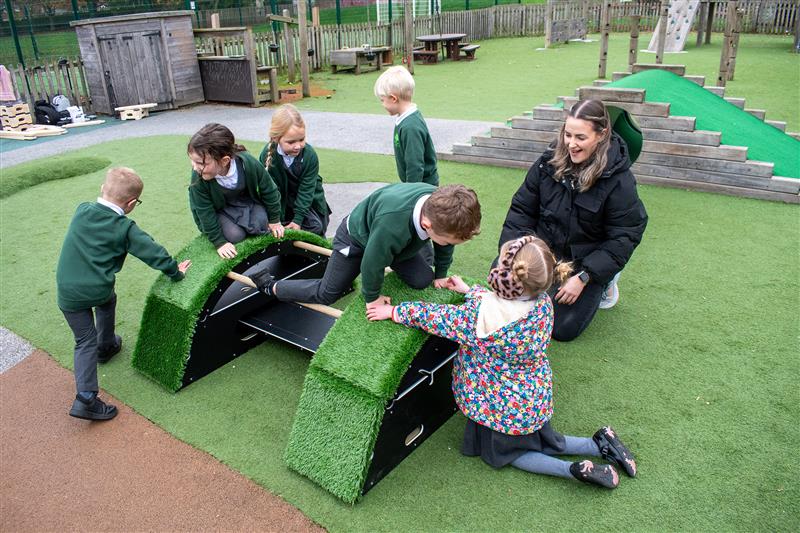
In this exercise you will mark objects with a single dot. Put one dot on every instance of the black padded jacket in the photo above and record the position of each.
(597, 229)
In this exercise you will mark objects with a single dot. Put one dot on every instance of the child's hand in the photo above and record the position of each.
(456, 284)
(292, 225)
(380, 312)
(276, 230)
(227, 251)
(183, 266)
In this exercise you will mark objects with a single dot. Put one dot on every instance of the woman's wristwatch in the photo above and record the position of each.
(584, 277)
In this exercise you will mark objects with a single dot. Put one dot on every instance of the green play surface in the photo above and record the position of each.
(738, 127)
(695, 367)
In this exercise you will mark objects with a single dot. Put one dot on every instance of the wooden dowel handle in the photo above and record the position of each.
(324, 309)
(313, 248)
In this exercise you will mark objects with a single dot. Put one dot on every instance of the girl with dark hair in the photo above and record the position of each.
(580, 197)
(231, 194)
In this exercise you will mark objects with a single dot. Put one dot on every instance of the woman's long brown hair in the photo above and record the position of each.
(593, 111)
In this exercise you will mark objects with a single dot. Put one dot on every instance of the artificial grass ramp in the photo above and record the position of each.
(172, 308)
(356, 370)
(738, 127)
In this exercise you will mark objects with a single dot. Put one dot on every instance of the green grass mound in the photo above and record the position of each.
(356, 370)
(59, 168)
(172, 308)
(738, 127)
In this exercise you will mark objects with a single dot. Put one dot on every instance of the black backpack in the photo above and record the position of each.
(47, 114)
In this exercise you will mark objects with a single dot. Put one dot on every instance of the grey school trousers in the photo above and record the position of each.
(342, 270)
(92, 331)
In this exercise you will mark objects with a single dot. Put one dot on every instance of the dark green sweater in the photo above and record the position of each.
(414, 152)
(307, 187)
(94, 250)
(382, 225)
(206, 198)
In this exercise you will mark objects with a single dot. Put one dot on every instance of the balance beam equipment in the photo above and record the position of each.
(192, 327)
(373, 393)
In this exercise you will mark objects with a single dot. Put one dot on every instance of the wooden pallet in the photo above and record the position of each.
(134, 112)
(32, 131)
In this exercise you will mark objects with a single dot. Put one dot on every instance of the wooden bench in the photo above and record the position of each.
(134, 112)
(428, 57)
(469, 51)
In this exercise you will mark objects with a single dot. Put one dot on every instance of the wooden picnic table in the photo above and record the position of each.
(449, 43)
(355, 57)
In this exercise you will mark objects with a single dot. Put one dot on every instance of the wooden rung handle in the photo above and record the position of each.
(313, 248)
(324, 309)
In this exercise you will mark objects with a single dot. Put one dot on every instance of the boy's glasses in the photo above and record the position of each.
(138, 202)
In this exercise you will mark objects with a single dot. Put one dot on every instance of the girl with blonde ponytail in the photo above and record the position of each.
(294, 166)
(501, 376)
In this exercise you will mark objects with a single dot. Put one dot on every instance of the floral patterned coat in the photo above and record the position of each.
(503, 380)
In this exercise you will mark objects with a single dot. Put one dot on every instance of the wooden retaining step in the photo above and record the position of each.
(549, 113)
(722, 152)
(667, 123)
(494, 153)
(619, 75)
(479, 160)
(719, 91)
(600, 83)
(699, 137)
(680, 70)
(535, 124)
(779, 124)
(699, 80)
(655, 109)
(747, 168)
(760, 114)
(611, 94)
(504, 144)
(723, 178)
(738, 102)
(525, 135)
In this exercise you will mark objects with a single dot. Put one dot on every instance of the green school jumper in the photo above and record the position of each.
(298, 193)
(414, 153)
(206, 197)
(94, 250)
(382, 226)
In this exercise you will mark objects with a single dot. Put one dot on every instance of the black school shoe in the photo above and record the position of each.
(104, 355)
(96, 409)
(612, 449)
(264, 281)
(601, 475)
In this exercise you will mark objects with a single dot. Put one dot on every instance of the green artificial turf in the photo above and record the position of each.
(172, 308)
(19, 178)
(738, 127)
(350, 379)
(696, 367)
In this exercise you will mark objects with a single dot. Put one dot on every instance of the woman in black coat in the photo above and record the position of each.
(580, 197)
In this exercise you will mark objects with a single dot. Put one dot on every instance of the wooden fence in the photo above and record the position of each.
(43, 82)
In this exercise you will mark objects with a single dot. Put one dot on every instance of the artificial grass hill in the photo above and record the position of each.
(349, 381)
(738, 127)
(172, 308)
(19, 178)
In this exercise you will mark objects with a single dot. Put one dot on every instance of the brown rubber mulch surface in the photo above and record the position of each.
(59, 473)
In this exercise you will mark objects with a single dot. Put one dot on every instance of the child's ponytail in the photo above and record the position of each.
(562, 271)
(270, 154)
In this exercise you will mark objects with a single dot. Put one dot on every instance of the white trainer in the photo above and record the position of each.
(610, 300)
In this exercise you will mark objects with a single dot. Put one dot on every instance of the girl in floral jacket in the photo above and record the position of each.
(501, 377)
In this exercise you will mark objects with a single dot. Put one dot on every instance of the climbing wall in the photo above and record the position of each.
(679, 24)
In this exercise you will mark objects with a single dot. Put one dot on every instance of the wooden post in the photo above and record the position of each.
(633, 49)
(662, 31)
(724, 59)
(548, 24)
(317, 44)
(605, 21)
(302, 28)
(408, 31)
(710, 20)
(734, 46)
(289, 43)
(797, 32)
(250, 54)
(585, 13)
(701, 21)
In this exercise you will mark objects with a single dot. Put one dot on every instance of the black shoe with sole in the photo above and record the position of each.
(264, 281)
(601, 475)
(96, 409)
(104, 355)
(612, 449)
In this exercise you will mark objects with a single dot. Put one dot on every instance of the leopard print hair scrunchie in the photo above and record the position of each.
(501, 279)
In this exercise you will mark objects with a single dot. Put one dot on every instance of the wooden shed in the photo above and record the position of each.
(140, 58)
